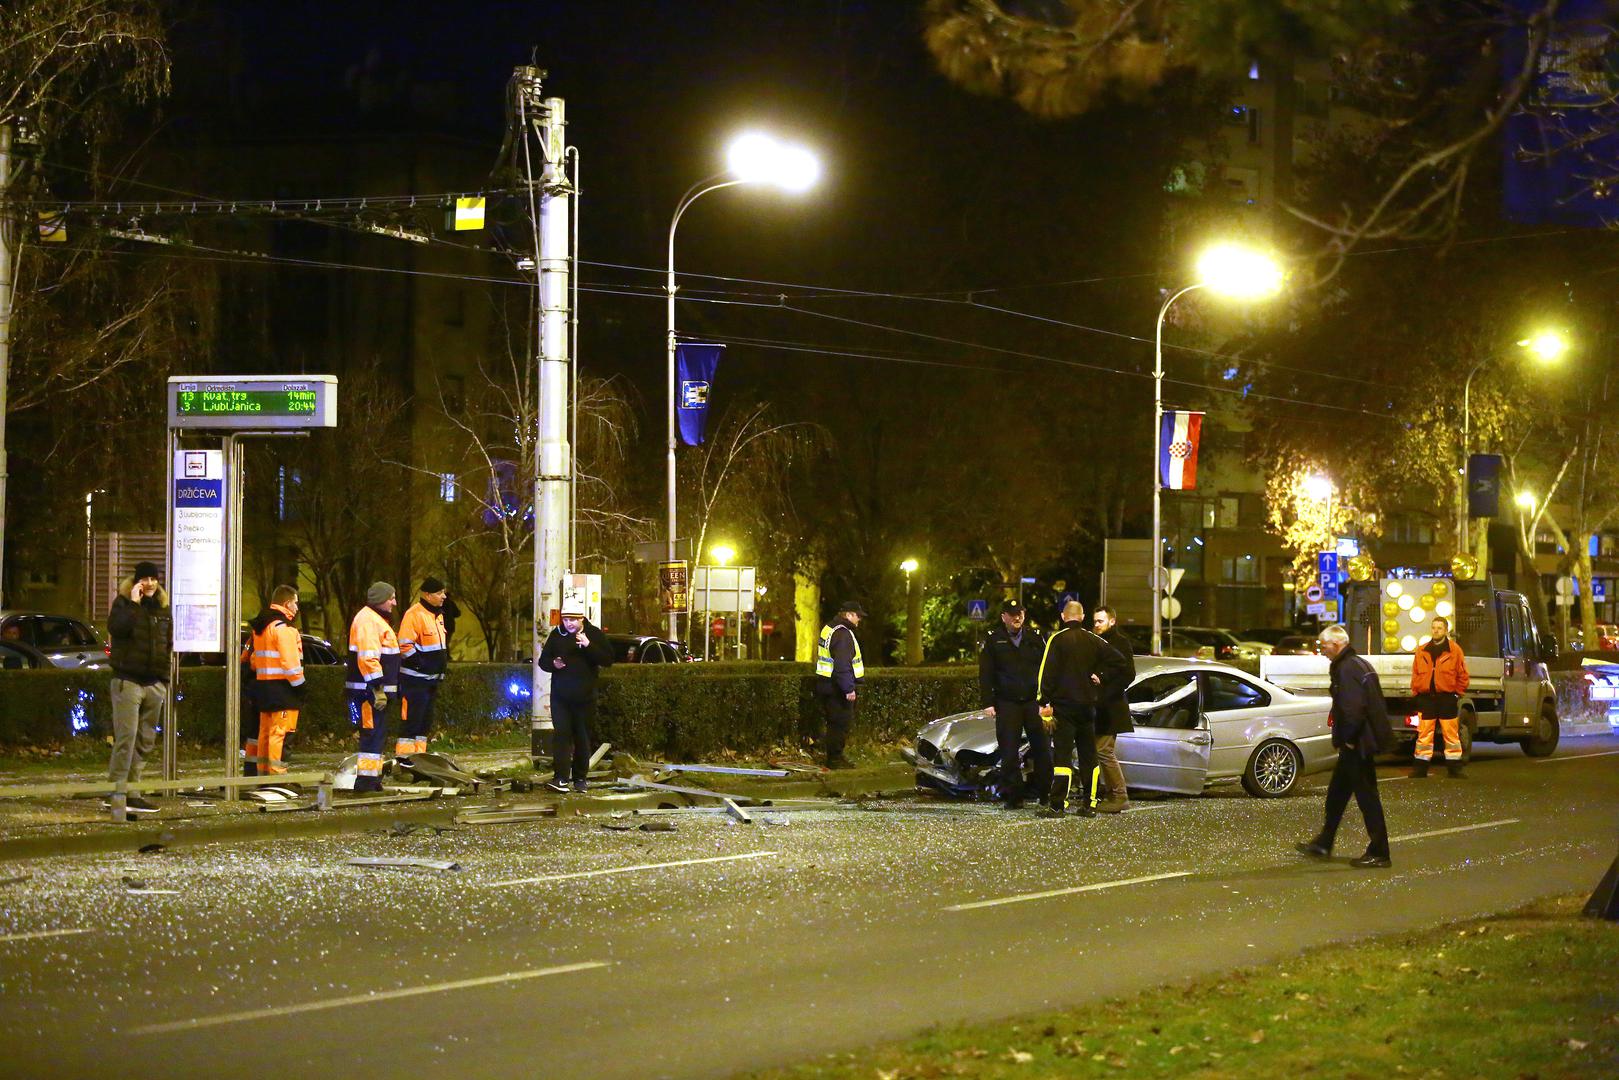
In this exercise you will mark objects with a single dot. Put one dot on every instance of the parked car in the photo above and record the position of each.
(15, 656)
(1270, 635)
(66, 641)
(1196, 724)
(1297, 645)
(317, 651)
(647, 649)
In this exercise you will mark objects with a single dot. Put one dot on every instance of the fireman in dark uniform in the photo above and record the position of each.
(1008, 679)
(1076, 667)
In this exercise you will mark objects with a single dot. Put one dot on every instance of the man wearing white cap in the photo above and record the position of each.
(573, 654)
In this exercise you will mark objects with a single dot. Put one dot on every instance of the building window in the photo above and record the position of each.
(1239, 570)
(1410, 529)
(446, 487)
(1227, 516)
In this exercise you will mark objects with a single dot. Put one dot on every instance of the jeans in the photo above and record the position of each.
(135, 709)
(570, 739)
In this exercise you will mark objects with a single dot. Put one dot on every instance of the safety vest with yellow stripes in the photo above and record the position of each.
(277, 661)
(373, 660)
(422, 655)
(823, 652)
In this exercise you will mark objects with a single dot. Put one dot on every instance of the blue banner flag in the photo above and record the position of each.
(694, 377)
(1483, 485)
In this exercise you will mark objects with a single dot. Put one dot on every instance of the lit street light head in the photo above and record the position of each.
(910, 566)
(1548, 346)
(722, 554)
(756, 158)
(1318, 487)
(1238, 272)
(1525, 500)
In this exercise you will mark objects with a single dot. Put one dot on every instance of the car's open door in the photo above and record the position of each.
(1169, 749)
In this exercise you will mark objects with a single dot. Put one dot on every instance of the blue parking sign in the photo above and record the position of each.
(1326, 565)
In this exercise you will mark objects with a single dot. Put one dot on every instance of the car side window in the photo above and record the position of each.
(1222, 691)
(61, 634)
(1165, 701)
(11, 659)
(18, 628)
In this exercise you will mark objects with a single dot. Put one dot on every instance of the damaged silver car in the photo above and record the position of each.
(1196, 724)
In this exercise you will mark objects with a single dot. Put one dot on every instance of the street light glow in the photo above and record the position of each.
(910, 566)
(1318, 487)
(757, 158)
(1238, 272)
(722, 554)
(1525, 500)
(1548, 346)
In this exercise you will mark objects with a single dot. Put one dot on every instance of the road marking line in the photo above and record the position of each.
(1574, 757)
(1391, 779)
(1098, 887)
(1457, 829)
(633, 869)
(44, 934)
(359, 999)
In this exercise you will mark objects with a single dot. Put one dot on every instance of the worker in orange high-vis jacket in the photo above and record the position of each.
(423, 660)
(372, 676)
(1439, 679)
(276, 657)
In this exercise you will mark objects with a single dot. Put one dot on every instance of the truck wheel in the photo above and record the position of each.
(1544, 739)
(1468, 723)
(1273, 771)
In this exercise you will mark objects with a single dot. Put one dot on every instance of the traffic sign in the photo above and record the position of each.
(1171, 607)
(1167, 578)
(717, 627)
(1315, 609)
(1565, 586)
(1326, 563)
(1313, 594)
(978, 610)
(767, 626)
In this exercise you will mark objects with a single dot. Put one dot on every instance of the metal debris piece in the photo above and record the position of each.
(643, 782)
(378, 800)
(658, 825)
(678, 811)
(727, 769)
(374, 863)
(619, 826)
(496, 815)
(436, 770)
(151, 849)
(601, 752)
(775, 819)
(741, 816)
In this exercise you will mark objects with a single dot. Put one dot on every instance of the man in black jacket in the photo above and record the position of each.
(1113, 713)
(839, 671)
(573, 654)
(141, 630)
(1360, 730)
(1077, 665)
(1008, 678)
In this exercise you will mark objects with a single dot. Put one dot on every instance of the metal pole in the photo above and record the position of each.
(695, 192)
(1467, 424)
(233, 610)
(7, 264)
(171, 713)
(1156, 573)
(913, 621)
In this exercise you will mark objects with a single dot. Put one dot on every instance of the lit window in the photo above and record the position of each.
(446, 487)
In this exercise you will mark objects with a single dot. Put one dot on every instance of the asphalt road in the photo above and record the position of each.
(563, 949)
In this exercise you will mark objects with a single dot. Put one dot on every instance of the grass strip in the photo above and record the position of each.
(1530, 994)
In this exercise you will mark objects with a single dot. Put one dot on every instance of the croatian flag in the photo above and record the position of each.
(1177, 450)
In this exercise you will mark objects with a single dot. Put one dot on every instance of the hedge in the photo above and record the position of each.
(683, 712)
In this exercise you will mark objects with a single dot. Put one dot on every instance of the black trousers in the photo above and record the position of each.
(1355, 774)
(1075, 736)
(1015, 720)
(839, 713)
(570, 738)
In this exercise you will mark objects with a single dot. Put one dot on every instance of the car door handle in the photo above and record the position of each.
(1201, 738)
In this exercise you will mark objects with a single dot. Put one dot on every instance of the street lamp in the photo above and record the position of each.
(1526, 500)
(752, 158)
(913, 614)
(722, 554)
(1232, 271)
(1547, 346)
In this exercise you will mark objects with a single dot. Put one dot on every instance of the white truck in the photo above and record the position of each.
(1510, 697)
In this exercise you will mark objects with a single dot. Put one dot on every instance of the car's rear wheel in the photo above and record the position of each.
(1274, 770)
(1544, 739)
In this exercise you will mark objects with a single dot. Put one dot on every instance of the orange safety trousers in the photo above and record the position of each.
(274, 727)
(1453, 738)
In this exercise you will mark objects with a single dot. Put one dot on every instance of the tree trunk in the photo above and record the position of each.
(1530, 585)
(806, 612)
(1582, 575)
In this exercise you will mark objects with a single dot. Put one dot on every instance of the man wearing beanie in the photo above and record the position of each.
(372, 674)
(423, 659)
(141, 630)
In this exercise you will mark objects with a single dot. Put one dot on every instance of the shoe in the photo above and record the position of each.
(557, 786)
(579, 787)
(1313, 849)
(1456, 772)
(135, 802)
(1048, 812)
(1113, 806)
(1420, 771)
(1369, 860)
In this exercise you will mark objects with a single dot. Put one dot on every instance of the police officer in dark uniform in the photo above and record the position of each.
(1076, 667)
(1008, 678)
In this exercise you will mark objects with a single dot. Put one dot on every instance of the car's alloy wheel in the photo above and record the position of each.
(1273, 771)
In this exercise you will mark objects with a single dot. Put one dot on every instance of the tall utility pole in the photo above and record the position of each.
(543, 132)
(7, 262)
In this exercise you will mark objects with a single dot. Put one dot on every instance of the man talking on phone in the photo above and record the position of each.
(141, 630)
(573, 654)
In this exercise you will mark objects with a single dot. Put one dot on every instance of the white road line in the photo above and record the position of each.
(1098, 887)
(1574, 757)
(32, 935)
(358, 999)
(632, 869)
(1457, 829)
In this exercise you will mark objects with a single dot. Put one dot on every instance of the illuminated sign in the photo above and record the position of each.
(197, 550)
(253, 402)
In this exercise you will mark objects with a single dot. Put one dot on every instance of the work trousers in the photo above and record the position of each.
(1355, 774)
(1107, 759)
(373, 725)
(415, 718)
(267, 754)
(135, 711)
(1452, 728)
(1014, 721)
(839, 713)
(1075, 736)
(570, 738)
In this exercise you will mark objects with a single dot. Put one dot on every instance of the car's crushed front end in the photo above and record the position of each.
(956, 755)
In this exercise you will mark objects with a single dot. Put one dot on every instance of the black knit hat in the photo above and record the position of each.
(432, 585)
(147, 570)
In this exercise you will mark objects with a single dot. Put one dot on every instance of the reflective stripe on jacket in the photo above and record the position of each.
(373, 660)
(1449, 676)
(276, 657)
(422, 654)
(848, 668)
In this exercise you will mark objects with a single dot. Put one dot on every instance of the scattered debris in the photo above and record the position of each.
(726, 769)
(658, 825)
(406, 828)
(436, 770)
(601, 752)
(643, 782)
(18, 880)
(619, 826)
(739, 815)
(499, 815)
(373, 863)
(378, 800)
(152, 849)
(776, 819)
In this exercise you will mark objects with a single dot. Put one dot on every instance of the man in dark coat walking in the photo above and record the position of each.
(1360, 730)
(1113, 712)
(1008, 679)
(1076, 666)
(573, 654)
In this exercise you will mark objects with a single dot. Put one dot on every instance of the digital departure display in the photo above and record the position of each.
(245, 402)
(253, 402)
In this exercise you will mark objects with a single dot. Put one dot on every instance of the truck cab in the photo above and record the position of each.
(1510, 697)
